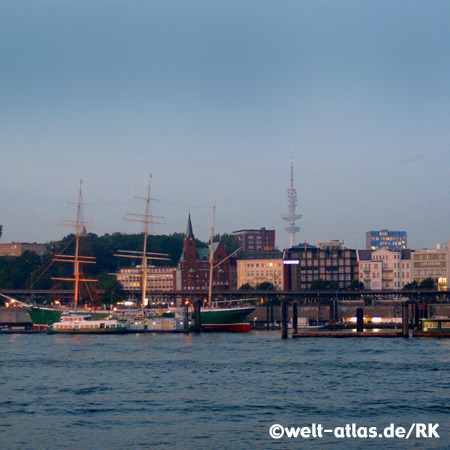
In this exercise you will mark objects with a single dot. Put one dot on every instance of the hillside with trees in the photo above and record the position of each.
(30, 271)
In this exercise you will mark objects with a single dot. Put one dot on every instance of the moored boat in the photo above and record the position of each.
(84, 324)
(226, 319)
(434, 327)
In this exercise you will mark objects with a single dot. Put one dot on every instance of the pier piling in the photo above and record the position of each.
(197, 319)
(359, 320)
(284, 325)
(186, 319)
(416, 316)
(295, 317)
(405, 320)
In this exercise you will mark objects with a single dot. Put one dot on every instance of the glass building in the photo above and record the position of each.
(392, 240)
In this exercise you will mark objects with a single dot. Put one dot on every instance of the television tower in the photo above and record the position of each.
(292, 215)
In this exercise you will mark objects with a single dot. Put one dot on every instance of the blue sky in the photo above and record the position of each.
(210, 97)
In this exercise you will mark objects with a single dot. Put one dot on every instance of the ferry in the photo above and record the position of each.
(78, 324)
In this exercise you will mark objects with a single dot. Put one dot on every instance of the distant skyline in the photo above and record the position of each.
(211, 98)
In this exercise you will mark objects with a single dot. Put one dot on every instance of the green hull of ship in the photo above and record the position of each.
(48, 316)
(225, 316)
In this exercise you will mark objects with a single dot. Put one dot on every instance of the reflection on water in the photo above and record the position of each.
(215, 391)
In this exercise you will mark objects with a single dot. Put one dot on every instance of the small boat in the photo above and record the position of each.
(79, 324)
(434, 327)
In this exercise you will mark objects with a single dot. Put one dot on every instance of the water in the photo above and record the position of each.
(216, 391)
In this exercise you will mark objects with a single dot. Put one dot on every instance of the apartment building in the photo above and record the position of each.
(18, 248)
(305, 264)
(431, 264)
(256, 240)
(257, 268)
(385, 269)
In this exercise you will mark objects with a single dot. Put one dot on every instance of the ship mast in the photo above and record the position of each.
(146, 219)
(211, 258)
(80, 231)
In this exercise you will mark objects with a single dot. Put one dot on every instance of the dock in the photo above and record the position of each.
(348, 334)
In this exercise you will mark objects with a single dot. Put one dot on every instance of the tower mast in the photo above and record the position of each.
(291, 216)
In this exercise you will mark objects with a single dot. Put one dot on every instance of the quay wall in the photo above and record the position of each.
(12, 315)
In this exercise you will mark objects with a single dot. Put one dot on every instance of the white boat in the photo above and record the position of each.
(85, 324)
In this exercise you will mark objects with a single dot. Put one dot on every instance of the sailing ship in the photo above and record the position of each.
(226, 318)
(151, 320)
(41, 316)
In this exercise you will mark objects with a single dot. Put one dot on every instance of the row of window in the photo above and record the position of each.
(257, 273)
(258, 265)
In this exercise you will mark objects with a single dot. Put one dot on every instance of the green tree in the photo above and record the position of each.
(428, 283)
(230, 243)
(265, 286)
(410, 286)
(319, 285)
(246, 287)
(355, 285)
(323, 285)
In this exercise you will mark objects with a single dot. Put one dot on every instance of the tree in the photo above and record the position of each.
(246, 287)
(319, 285)
(230, 243)
(428, 283)
(355, 285)
(411, 286)
(265, 286)
(323, 285)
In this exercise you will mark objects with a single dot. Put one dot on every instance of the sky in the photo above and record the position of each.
(210, 98)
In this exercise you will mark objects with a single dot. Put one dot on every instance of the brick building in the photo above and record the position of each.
(256, 240)
(194, 266)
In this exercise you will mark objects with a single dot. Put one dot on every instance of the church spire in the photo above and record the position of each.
(189, 232)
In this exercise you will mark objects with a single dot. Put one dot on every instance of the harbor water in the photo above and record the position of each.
(217, 391)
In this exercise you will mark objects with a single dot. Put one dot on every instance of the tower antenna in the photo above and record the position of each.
(292, 215)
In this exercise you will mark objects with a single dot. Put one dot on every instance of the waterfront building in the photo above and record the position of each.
(384, 269)
(158, 278)
(432, 264)
(257, 268)
(18, 248)
(256, 240)
(194, 266)
(306, 264)
(392, 240)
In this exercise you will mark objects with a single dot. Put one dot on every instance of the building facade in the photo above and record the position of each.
(257, 268)
(194, 266)
(432, 264)
(306, 264)
(256, 240)
(17, 249)
(391, 240)
(384, 269)
(158, 278)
